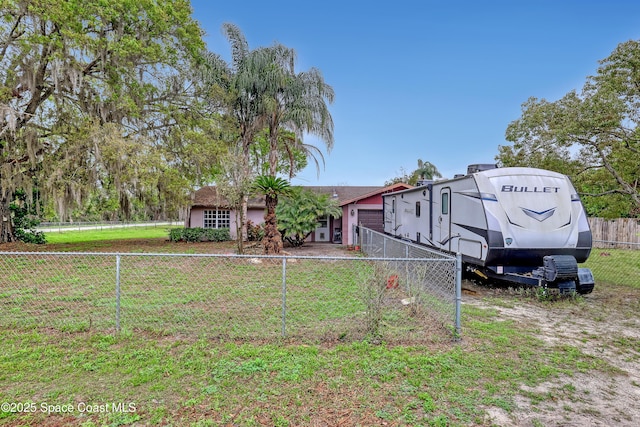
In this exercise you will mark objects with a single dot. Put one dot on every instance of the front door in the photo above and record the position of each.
(322, 231)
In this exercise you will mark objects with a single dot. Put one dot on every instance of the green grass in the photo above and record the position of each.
(199, 296)
(615, 266)
(78, 236)
(187, 382)
(194, 351)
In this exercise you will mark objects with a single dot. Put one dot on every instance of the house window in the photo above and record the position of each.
(216, 218)
(417, 209)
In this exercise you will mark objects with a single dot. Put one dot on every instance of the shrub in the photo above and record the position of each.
(31, 236)
(255, 232)
(199, 234)
(25, 221)
(175, 234)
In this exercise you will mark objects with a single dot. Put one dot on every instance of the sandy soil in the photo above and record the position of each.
(605, 325)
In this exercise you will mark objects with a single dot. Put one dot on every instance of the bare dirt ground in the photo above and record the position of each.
(605, 325)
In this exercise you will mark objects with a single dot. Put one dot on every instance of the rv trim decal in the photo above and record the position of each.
(482, 196)
(539, 216)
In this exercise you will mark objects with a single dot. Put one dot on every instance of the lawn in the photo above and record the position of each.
(177, 381)
(80, 236)
(146, 375)
(615, 266)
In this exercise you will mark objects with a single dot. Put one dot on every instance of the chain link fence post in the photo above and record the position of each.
(284, 297)
(118, 258)
(458, 333)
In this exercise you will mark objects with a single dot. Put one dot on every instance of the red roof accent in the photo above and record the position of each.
(380, 191)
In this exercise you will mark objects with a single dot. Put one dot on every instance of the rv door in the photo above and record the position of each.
(444, 219)
(391, 216)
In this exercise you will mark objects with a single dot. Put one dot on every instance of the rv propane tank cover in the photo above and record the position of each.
(559, 267)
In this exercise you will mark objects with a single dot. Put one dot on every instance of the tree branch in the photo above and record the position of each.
(11, 36)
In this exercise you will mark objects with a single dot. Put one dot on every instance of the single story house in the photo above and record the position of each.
(359, 204)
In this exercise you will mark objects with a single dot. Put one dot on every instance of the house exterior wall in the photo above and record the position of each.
(349, 220)
(197, 218)
(340, 230)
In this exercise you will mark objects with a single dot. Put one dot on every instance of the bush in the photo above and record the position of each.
(25, 220)
(255, 232)
(199, 234)
(31, 236)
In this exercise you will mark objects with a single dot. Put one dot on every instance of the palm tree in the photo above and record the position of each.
(244, 83)
(271, 187)
(299, 212)
(263, 90)
(298, 103)
(426, 170)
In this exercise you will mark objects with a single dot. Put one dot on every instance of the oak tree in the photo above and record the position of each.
(591, 135)
(88, 90)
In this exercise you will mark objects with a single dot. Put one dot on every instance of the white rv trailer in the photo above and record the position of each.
(522, 225)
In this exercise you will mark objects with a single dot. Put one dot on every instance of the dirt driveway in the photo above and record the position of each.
(605, 325)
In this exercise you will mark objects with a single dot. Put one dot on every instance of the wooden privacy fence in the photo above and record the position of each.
(615, 232)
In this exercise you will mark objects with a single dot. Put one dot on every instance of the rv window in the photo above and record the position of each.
(417, 209)
(445, 203)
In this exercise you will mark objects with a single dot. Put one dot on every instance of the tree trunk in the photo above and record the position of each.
(239, 227)
(272, 240)
(273, 152)
(6, 225)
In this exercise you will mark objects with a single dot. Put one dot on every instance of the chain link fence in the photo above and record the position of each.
(219, 296)
(433, 284)
(615, 263)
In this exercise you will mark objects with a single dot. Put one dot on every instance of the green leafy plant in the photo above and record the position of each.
(255, 232)
(299, 212)
(25, 221)
(199, 234)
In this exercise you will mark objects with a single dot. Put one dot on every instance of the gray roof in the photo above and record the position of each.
(210, 197)
(344, 193)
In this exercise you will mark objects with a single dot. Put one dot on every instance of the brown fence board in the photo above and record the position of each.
(612, 232)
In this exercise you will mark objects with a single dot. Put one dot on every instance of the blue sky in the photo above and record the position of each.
(432, 80)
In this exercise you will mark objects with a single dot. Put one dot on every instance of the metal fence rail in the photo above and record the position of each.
(601, 244)
(435, 284)
(52, 227)
(226, 296)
